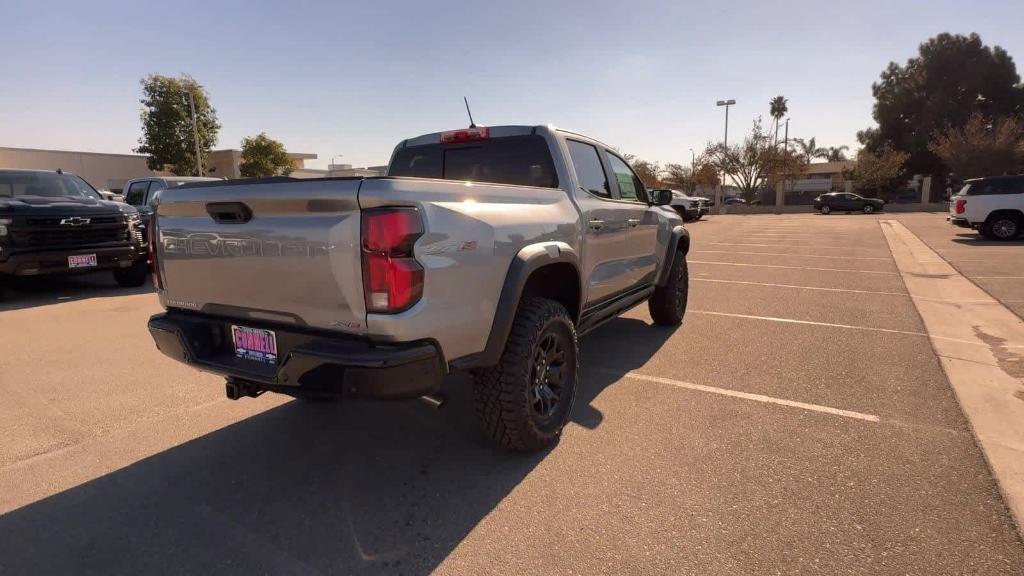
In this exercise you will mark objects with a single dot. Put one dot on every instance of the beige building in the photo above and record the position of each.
(111, 171)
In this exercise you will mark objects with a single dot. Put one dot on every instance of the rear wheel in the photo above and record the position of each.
(668, 303)
(1001, 227)
(826, 209)
(524, 401)
(132, 277)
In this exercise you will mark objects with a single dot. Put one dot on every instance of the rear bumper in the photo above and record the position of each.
(310, 364)
(45, 262)
(961, 222)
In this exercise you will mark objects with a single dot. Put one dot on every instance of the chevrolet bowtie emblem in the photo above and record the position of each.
(74, 221)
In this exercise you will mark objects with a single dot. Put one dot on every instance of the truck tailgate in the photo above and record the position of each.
(283, 251)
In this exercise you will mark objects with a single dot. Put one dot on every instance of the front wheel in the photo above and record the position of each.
(826, 209)
(668, 303)
(524, 401)
(868, 208)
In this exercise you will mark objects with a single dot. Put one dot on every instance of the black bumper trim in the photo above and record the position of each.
(961, 222)
(310, 364)
(40, 262)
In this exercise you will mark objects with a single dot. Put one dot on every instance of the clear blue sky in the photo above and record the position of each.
(355, 78)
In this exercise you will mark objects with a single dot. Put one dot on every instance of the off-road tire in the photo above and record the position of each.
(502, 393)
(132, 277)
(668, 303)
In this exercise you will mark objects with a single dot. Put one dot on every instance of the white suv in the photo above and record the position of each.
(994, 206)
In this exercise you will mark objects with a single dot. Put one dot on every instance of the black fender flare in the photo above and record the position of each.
(528, 260)
(679, 239)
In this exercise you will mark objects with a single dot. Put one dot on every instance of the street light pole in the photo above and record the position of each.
(719, 195)
(195, 133)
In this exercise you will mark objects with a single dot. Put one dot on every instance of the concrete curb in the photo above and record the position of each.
(980, 344)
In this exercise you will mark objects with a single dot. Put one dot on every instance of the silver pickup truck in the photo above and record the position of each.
(484, 249)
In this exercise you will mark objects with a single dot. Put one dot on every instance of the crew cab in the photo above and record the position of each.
(993, 206)
(53, 222)
(488, 250)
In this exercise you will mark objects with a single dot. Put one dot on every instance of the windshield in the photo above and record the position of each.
(46, 184)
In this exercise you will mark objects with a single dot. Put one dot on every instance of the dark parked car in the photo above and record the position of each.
(846, 202)
(53, 222)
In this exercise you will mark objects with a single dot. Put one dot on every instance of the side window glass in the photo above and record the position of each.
(589, 172)
(136, 195)
(630, 187)
(154, 187)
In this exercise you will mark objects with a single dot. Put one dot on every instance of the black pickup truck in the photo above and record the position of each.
(52, 222)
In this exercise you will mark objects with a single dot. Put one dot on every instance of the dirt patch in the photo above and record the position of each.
(1009, 361)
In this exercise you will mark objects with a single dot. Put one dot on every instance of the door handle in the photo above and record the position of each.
(633, 222)
(596, 224)
(229, 212)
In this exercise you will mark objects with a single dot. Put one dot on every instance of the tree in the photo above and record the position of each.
(836, 153)
(809, 148)
(649, 172)
(678, 177)
(778, 107)
(756, 162)
(879, 172)
(981, 147)
(168, 137)
(263, 156)
(951, 78)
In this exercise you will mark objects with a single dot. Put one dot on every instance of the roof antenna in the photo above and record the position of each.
(471, 123)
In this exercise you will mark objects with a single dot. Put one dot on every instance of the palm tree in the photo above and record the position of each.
(777, 108)
(836, 153)
(809, 149)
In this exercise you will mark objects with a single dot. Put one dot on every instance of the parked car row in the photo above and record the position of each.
(53, 222)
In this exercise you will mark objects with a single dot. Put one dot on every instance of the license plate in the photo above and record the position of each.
(255, 344)
(82, 261)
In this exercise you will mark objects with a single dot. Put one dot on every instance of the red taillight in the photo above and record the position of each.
(961, 205)
(467, 135)
(392, 278)
(154, 266)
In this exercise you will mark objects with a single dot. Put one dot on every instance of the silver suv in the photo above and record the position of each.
(484, 249)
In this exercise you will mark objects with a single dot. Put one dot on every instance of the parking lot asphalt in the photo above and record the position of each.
(996, 267)
(798, 421)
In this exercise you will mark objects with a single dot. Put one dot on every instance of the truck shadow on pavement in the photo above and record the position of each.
(30, 292)
(364, 488)
(976, 239)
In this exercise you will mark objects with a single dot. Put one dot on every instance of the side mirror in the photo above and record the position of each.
(662, 198)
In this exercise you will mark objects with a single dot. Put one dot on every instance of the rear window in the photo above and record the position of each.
(516, 160)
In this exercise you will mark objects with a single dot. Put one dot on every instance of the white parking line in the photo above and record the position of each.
(749, 396)
(794, 267)
(844, 326)
(815, 246)
(801, 287)
(997, 277)
(784, 254)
